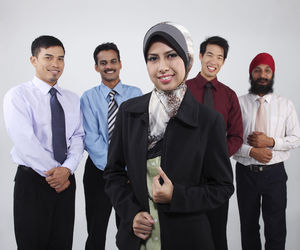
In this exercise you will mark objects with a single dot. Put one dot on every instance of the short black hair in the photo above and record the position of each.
(45, 42)
(217, 40)
(106, 46)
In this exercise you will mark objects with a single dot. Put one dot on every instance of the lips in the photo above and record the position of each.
(211, 69)
(165, 78)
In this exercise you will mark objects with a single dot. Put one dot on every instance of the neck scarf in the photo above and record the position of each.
(163, 105)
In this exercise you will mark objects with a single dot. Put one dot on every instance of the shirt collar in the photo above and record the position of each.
(118, 88)
(202, 81)
(45, 87)
(267, 97)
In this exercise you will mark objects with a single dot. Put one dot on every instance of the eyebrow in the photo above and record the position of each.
(53, 55)
(167, 52)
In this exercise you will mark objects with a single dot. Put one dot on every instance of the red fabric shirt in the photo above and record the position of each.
(227, 104)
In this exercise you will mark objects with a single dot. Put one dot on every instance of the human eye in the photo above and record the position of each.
(113, 61)
(103, 63)
(172, 55)
(152, 58)
(61, 59)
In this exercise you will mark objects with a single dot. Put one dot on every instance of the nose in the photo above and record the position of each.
(55, 63)
(163, 65)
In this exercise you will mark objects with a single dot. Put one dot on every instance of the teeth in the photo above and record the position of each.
(166, 78)
(211, 68)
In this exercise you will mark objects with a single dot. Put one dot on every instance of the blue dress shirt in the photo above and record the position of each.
(27, 118)
(94, 106)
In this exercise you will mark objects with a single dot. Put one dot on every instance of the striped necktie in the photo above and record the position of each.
(58, 128)
(112, 111)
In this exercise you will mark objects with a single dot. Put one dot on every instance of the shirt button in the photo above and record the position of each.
(155, 220)
(156, 238)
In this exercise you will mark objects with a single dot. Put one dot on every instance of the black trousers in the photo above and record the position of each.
(97, 206)
(264, 190)
(43, 219)
(218, 224)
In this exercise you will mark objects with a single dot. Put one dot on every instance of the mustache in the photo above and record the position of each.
(261, 80)
(106, 70)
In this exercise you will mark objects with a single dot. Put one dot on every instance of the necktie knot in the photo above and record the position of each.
(208, 85)
(261, 100)
(112, 94)
(53, 91)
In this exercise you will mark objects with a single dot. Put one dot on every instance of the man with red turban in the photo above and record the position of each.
(271, 130)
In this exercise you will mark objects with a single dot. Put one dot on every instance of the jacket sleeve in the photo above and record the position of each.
(117, 184)
(217, 179)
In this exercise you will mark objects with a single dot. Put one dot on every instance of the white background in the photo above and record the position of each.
(250, 27)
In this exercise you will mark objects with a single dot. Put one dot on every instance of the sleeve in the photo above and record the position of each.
(94, 141)
(76, 146)
(27, 146)
(117, 183)
(291, 139)
(234, 126)
(217, 179)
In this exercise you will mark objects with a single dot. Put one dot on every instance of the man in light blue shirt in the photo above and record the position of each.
(96, 104)
(44, 193)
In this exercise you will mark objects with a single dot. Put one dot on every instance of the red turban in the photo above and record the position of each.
(262, 58)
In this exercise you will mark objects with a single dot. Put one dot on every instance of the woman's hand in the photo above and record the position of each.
(162, 193)
(142, 225)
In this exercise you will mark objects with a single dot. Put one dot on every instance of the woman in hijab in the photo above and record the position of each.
(168, 162)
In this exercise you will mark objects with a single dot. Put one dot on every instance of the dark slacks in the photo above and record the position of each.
(43, 219)
(218, 224)
(97, 206)
(264, 190)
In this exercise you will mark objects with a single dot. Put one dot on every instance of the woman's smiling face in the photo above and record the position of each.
(165, 67)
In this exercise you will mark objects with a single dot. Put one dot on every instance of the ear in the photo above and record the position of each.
(120, 64)
(33, 61)
(200, 57)
(96, 68)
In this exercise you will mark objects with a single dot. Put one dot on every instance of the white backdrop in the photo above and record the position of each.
(250, 27)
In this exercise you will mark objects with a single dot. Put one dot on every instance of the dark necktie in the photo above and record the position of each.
(112, 111)
(58, 128)
(208, 98)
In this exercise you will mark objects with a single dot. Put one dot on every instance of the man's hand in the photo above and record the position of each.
(260, 140)
(263, 155)
(162, 193)
(58, 178)
(63, 187)
(142, 225)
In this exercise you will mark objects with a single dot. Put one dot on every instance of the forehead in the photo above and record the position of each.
(214, 49)
(54, 50)
(107, 55)
(159, 47)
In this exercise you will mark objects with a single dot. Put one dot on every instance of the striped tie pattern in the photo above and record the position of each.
(112, 111)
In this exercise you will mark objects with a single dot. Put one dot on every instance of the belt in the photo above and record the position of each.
(261, 168)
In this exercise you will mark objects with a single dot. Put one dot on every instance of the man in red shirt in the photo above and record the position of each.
(208, 90)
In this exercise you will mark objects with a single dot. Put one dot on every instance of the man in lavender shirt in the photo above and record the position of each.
(44, 192)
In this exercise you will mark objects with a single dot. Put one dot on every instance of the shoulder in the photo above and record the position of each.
(191, 81)
(281, 100)
(90, 92)
(19, 91)
(229, 91)
(131, 90)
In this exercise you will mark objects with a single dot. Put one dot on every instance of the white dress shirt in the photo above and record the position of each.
(27, 117)
(282, 126)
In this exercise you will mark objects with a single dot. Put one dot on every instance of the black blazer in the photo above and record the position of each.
(194, 157)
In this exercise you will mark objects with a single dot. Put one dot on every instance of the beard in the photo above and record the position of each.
(258, 89)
